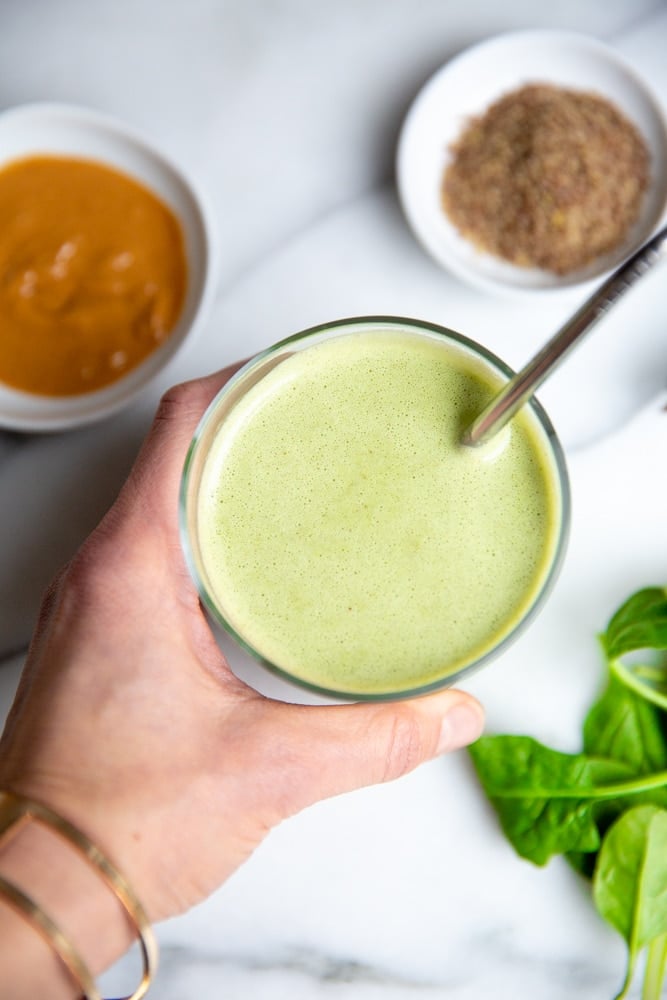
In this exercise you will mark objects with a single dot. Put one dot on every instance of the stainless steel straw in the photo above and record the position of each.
(521, 387)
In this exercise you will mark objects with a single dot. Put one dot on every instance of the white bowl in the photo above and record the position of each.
(47, 129)
(464, 88)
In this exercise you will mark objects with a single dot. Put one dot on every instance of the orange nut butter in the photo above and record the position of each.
(93, 274)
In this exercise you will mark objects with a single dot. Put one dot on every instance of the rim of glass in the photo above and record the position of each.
(345, 327)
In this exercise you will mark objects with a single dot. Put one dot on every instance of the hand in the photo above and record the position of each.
(129, 722)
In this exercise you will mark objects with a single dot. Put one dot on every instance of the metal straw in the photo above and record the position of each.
(521, 387)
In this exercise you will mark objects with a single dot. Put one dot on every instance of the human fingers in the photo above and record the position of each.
(178, 414)
(324, 751)
(152, 485)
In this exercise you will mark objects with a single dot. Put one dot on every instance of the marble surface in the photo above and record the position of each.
(287, 114)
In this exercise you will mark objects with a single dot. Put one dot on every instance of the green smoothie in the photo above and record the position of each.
(349, 539)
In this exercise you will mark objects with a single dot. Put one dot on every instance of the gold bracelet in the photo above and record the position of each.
(52, 934)
(15, 811)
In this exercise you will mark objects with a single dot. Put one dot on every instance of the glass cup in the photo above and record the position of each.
(262, 378)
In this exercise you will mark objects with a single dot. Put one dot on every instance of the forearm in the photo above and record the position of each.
(60, 881)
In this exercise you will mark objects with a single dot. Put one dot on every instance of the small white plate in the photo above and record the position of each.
(464, 88)
(55, 129)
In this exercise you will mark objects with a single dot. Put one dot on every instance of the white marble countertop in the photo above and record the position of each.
(287, 115)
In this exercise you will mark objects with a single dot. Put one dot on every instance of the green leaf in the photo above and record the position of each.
(544, 799)
(648, 677)
(630, 880)
(605, 808)
(640, 623)
(623, 726)
(635, 644)
(654, 973)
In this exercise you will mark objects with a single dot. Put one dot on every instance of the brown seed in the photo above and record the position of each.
(547, 177)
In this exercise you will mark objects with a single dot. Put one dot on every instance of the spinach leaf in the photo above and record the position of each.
(623, 726)
(654, 973)
(544, 799)
(630, 881)
(635, 644)
(640, 623)
(605, 808)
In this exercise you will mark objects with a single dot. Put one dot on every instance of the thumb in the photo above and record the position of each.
(336, 749)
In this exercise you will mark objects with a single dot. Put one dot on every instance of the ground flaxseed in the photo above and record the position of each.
(547, 178)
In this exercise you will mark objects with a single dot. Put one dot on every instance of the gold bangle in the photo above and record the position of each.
(52, 934)
(15, 811)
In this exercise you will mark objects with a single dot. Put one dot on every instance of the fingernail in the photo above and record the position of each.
(462, 725)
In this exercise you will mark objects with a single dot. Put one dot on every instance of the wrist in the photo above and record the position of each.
(58, 878)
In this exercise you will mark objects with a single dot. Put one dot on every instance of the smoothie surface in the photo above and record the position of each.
(350, 540)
